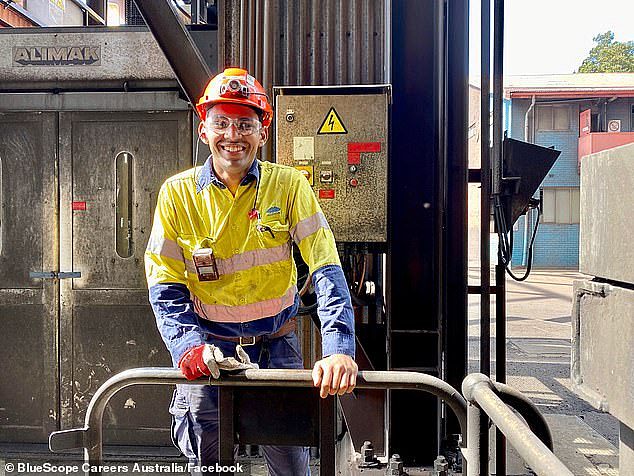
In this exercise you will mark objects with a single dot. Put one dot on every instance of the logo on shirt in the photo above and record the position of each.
(273, 211)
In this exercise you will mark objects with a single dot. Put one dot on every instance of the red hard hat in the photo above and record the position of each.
(236, 86)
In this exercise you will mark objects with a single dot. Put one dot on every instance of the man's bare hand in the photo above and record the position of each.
(336, 374)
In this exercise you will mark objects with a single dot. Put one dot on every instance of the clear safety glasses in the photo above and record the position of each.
(244, 126)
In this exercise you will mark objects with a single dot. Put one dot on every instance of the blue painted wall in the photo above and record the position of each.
(556, 245)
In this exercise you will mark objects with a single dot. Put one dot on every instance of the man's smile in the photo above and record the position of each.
(232, 147)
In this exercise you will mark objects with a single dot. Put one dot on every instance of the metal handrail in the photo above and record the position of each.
(529, 411)
(90, 437)
(481, 393)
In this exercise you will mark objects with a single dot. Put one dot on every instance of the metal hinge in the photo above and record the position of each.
(54, 274)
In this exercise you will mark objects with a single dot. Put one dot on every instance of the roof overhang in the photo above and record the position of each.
(569, 94)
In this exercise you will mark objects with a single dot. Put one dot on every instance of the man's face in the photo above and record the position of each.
(232, 151)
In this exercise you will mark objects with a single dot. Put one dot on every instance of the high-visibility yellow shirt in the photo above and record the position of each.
(253, 255)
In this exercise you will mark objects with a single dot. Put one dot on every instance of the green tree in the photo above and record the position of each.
(609, 56)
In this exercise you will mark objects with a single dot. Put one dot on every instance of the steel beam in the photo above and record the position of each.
(417, 178)
(498, 125)
(176, 43)
(485, 221)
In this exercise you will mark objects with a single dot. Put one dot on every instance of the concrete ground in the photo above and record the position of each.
(538, 364)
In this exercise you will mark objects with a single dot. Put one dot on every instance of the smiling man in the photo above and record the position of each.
(221, 275)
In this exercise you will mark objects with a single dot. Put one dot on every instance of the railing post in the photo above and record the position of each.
(472, 452)
(480, 392)
(327, 435)
(477, 451)
(225, 421)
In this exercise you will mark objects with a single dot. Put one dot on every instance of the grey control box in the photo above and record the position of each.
(337, 136)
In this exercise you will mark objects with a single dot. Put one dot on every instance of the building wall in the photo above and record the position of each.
(518, 111)
(556, 245)
(10, 16)
(621, 109)
(564, 173)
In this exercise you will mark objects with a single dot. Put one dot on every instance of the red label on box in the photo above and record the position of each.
(364, 147)
(79, 205)
(354, 158)
(329, 193)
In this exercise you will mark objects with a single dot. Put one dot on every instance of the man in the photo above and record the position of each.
(220, 271)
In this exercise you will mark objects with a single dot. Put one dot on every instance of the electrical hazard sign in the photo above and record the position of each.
(332, 124)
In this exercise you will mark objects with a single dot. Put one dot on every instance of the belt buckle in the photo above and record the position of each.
(250, 341)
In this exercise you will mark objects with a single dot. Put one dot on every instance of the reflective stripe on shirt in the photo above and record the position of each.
(245, 312)
(166, 248)
(308, 226)
(248, 259)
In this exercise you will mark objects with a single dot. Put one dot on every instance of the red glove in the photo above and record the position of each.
(192, 365)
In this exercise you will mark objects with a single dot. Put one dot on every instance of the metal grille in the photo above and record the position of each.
(306, 42)
(330, 42)
(132, 14)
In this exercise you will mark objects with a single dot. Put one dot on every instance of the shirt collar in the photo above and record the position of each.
(207, 176)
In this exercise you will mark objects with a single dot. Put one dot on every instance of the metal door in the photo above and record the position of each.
(28, 305)
(111, 168)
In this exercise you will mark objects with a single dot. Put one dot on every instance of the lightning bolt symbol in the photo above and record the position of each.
(331, 121)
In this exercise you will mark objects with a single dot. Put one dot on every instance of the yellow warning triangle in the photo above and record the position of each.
(332, 124)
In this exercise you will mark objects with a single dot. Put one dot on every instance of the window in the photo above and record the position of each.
(632, 119)
(553, 118)
(560, 205)
(124, 197)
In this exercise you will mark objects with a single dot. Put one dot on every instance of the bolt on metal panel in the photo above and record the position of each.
(339, 142)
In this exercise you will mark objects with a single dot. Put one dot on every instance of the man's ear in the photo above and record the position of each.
(201, 133)
(264, 135)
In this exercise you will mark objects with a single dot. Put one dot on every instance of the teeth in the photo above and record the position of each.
(233, 148)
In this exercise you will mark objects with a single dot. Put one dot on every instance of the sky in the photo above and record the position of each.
(551, 36)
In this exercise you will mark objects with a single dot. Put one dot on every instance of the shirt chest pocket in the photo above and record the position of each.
(271, 233)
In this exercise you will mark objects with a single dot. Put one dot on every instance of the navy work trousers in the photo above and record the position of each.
(194, 410)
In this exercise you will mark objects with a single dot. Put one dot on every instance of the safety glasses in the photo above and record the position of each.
(244, 126)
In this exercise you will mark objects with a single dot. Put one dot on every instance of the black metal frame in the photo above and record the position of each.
(427, 253)
(455, 322)
(234, 402)
(490, 178)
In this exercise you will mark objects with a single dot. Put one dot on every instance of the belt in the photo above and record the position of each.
(288, 327)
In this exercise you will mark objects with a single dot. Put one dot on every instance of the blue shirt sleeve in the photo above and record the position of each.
(175, 318)
(335, 311)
